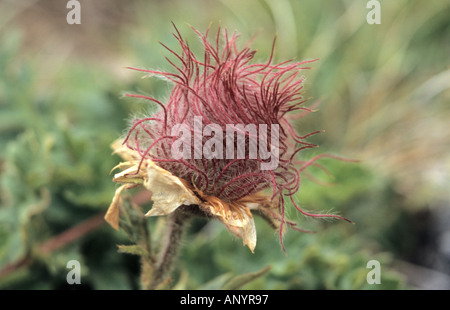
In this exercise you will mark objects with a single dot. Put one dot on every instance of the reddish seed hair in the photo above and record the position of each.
(224, 87)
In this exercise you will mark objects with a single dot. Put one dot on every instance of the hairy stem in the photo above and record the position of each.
(175, 226)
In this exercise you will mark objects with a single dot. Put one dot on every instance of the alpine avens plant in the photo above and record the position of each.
(222, 146)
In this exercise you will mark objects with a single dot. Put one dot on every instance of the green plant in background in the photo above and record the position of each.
(53, 163)
(383, 96)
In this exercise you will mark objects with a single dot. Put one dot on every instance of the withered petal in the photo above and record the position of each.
(242, 226)
(112, 215)
(123, 151)
(168, 191)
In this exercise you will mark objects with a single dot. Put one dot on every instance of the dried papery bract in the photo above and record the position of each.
(219, 90)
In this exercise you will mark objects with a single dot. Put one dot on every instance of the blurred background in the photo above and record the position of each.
(384, 98)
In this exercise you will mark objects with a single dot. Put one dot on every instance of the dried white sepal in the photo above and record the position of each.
(112, 215)
(130, 175)
(168, 192)
(245, 230)
(252, 205)
(123, 151)
(242, 226)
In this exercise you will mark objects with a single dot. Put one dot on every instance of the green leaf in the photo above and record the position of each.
(217, 283)
(239, 281)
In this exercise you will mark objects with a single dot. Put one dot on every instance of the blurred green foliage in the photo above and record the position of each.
(383, 97)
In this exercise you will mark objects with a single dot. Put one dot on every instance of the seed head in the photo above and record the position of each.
(223, 142)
